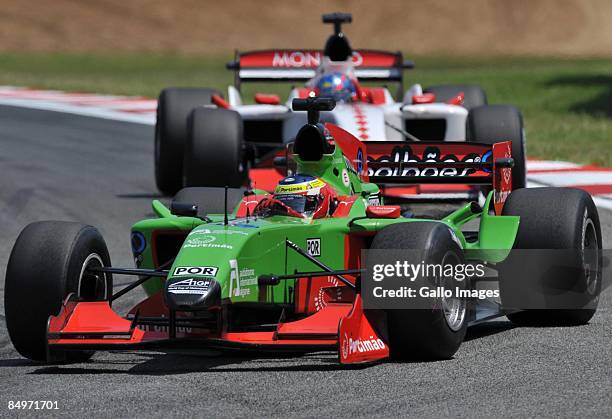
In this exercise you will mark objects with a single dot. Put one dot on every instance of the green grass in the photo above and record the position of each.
(567, 103)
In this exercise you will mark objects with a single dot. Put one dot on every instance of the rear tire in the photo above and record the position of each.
(474, 95)
(173, 109)
(210, 200)
(494, 123)
(213, 152)
(47, 264)
(554, 218)
(423, 333)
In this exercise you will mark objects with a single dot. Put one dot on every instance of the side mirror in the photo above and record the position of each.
(267, 99)
(383, 211)
(183, 209)
(408, 65)
(280, 161)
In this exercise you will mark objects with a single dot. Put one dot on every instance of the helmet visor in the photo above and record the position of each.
(303, 204)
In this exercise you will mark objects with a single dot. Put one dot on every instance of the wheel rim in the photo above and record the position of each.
(454, 308)
(590, 257)
(91, 286)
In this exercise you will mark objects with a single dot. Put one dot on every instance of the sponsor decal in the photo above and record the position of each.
(204, 239)
(196, 270)
(282, 189)
(205, 242)
(313, 247)
(345, 346)
(305, 59)
(190, 286)
(247, 277)
(349, 166)
(300, 187)
(241, 279)
(321, 300)
(352, 346)
(234, 285)
(345, 178)
(163, 329)
(404, 154)
(374, 199)
(359, 161)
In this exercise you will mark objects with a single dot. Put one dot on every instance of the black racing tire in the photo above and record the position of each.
(474, 95)
(494, 123)
(45, 266)
(210, 200)
(553, 218)
(422, 334)
(214, 149)
(173, 109)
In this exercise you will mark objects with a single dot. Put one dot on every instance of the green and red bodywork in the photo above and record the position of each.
(304, 313)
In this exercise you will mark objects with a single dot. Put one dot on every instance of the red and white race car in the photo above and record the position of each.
(205, 139)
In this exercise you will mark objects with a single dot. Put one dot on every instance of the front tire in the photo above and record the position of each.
(436, 332)
(173, 109)
(564, 291)
(48, 262)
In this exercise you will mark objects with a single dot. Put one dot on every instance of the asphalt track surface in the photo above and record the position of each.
(66, 167)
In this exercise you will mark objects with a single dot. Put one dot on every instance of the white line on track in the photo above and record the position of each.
(115, 115)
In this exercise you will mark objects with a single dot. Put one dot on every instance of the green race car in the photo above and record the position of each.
(294, 270)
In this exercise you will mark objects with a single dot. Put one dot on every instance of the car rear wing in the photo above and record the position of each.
(434, 162)
(443, 163)
(429, 162)
(288, 65)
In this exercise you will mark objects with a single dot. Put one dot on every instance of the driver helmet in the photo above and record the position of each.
(338, 86)
(307, 195)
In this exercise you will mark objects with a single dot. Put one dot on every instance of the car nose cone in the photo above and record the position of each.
(191, 294)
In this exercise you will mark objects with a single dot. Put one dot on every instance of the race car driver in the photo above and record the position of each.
(339, 86)
(300, 196)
